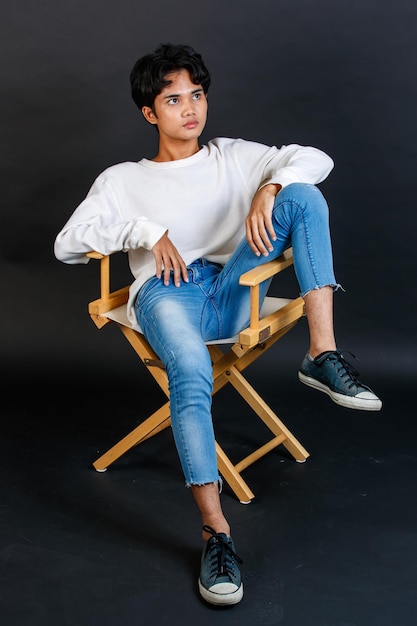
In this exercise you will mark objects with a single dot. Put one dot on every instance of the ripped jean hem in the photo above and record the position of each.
(219, 481)
(335, 287)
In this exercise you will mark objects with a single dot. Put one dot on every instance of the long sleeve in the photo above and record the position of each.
(299, 164)
(260, 164)
(99, 224)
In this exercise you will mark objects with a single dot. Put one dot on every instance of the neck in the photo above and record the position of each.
(176, 152)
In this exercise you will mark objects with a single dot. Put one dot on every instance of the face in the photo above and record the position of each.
(180, 109)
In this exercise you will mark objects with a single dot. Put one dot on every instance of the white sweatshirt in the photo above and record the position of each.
(202, 201)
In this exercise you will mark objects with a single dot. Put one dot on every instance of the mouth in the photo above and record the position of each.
(191, 124)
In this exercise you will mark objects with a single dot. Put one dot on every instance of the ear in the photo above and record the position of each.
(149, 115)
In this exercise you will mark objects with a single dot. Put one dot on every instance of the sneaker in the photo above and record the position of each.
(331, 373)
(220, 581)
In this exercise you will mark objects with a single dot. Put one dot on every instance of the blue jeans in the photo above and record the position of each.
(177, 321)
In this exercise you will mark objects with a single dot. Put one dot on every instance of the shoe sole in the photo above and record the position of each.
(221, 599)
(348, 402)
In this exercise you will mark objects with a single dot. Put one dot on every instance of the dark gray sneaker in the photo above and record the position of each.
(331, 373)
(220, 581)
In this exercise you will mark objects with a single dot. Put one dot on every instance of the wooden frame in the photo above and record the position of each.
(228, 366)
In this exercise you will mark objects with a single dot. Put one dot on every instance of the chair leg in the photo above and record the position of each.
(231, 472)
(267, 415)
(270, 419)
(154, 424)
(233, 478)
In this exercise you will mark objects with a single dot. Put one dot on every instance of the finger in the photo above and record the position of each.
(249, 238)
(167, 274)
(258, 239)
(270, 228)
(184, 272)
(166, 268)
(266, 240)
(180, 271)
(177, 274)
(158, 266)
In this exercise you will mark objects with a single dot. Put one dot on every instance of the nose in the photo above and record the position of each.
(188, 108)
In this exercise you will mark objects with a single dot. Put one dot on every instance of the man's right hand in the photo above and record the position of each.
(168, 258)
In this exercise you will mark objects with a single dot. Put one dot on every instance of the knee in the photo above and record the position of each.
(304, 196)
(300, 191)
(190, 362)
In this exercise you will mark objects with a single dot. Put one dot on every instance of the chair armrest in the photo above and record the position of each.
(261, 328)
(258, 330)
(108, 299)
(258, 274)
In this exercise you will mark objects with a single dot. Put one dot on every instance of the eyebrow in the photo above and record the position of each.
(176, 95)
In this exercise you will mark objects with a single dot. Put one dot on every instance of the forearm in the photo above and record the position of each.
(76, 240)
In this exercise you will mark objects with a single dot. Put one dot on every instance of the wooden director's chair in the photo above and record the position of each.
(277, 317)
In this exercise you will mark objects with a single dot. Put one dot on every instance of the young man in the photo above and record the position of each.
(193, 219)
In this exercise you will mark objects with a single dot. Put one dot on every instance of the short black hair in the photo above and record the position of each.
(148, 76)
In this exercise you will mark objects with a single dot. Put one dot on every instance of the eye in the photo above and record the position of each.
(173, 101)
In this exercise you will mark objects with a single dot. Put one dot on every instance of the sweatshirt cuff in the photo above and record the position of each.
(145, 234)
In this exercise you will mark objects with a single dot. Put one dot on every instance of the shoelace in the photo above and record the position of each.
(221, 562)
(346, 371)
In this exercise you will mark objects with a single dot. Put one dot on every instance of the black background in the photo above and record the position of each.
(336, 75)
(330, 542)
